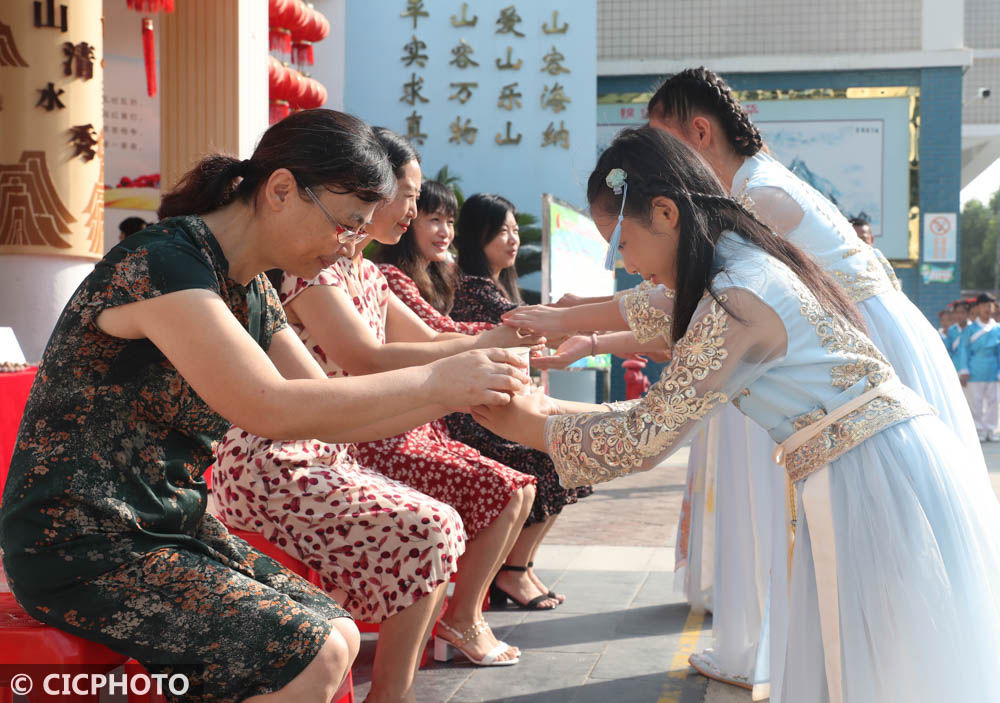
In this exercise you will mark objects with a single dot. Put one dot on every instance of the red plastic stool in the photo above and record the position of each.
(26, 642)
(345, 694)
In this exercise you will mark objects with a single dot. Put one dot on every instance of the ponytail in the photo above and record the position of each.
(322, 148)
(211, 184)
(699, 90)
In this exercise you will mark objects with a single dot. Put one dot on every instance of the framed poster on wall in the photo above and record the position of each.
(857, 147)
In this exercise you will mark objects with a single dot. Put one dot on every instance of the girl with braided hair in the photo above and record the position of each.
(698, 107)
(877, 477)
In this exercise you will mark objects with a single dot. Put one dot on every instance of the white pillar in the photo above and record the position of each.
(51, 184)
(213, 69)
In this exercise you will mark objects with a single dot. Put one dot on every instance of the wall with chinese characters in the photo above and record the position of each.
(51, 159)
(502, 93)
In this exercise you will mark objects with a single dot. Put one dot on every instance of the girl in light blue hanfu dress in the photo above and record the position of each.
(896, 553)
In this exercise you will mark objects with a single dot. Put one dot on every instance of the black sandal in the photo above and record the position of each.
(551, 594)
(499, 597)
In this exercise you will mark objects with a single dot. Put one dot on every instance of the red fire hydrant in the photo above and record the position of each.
(636, 383)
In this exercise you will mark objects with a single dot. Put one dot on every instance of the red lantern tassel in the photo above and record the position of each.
(149, 55)
(303, 52)
(279, 110)
(280, 40)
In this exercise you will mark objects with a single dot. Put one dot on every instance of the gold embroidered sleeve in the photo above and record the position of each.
(715, 359)
(645, 285)
(648, 312)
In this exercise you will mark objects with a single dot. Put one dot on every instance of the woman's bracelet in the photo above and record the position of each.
(593, 343)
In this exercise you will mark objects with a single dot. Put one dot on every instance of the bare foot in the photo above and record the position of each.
(520, 586)
(542, 587)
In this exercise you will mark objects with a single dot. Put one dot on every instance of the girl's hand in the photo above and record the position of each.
(522, 420)
(567, 301)
(483, 377)
(573, 349)
(543, 319)
(503, 336)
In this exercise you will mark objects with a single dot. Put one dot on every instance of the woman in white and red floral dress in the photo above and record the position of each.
(350, 321)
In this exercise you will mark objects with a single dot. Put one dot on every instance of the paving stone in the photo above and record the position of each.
(542, 676)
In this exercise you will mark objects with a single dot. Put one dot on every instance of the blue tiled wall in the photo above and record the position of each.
(940, 155)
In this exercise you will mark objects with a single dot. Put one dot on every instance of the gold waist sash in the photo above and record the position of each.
(831, 434)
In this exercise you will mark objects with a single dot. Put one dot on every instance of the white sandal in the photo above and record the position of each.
(706, 665)
(445, 651)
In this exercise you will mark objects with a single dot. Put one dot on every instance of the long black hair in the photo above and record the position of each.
(658, 164)
(400, 150)
(322, 148)
(700, 90)
(480, 221)
(435, 280)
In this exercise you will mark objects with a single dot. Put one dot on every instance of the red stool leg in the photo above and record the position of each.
(345, 694)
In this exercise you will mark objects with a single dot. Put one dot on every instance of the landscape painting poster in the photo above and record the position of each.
(842, 159)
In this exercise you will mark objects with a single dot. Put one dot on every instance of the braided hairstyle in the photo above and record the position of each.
(699, 90)
(659, 164)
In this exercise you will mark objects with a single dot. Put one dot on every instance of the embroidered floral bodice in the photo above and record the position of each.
(800, 214)
(769, 347)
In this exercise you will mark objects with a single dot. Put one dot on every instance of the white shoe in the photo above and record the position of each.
(706, 665)
(445, 651)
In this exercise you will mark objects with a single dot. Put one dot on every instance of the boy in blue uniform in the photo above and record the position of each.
(979, 366)
(953, 332)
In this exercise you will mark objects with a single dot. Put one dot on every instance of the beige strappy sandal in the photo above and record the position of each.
(445, 650)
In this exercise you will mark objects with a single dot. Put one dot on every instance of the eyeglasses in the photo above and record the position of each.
(344, 235)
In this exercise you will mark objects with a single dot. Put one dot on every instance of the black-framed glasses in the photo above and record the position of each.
(344, 235)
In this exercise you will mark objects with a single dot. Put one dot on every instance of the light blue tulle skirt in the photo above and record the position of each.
(749, 485)
(917, 572)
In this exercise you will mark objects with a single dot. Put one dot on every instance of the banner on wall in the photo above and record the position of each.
(573, 253)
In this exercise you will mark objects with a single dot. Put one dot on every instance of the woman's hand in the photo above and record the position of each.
(482, 377)
(504, 337)
(542, 319)
(522, 420)
(573, 349)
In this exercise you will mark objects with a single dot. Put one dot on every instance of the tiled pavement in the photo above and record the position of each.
(623, 635)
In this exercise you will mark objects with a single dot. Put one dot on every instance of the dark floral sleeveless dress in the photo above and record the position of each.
(103, 523)
(479, 299)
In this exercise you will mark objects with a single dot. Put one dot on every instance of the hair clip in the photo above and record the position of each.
(616, 180)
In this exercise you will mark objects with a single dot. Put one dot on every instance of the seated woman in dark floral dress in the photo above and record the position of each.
(484, 288)
(173, 336)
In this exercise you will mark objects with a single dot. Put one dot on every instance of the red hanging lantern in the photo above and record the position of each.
(315, 29)
(148, 39)
(151, 6)
(275, 9)
(149, 55)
